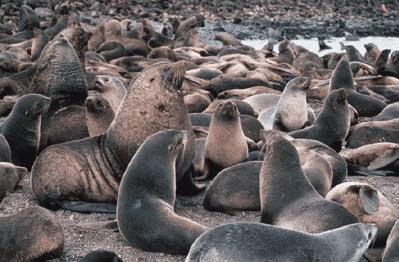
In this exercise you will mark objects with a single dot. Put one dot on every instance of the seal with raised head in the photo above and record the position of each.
(242, 242)
(369, 205)
(291, 112)
(288, 199)
(22, 128)
(332, 125)
(365, 105)
(148, 194)
(99, 114)
(59, 75)
(112, 89)
(32, 234)
(89, 170)
(226, 144)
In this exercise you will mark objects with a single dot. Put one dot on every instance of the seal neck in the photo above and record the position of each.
(281, 180)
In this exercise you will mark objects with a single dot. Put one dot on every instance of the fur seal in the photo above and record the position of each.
(390, 112)
(226, 144)
(291, 112)
(38, 44)
(112, 89)
(343, 78)
(223, 83)
(322, 44)
(335, 113)
(99, 114)
(101, 255)
(372, 53)
(391, 252)
(227, 39)
(154, 102)
(33, 233)
(10, 175)
(59, 75)
(288, 199)
(22, 128)
(148, 193)
(242, 106)
(373, 132)
(244, 93)
(377, 158)
(285, 53)
(242, 242)
(64, 125)
(393, 63)
(369, 206)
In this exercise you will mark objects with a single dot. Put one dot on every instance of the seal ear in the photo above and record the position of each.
(369, 199)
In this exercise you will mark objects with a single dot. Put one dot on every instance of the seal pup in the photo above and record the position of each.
(372, 159)
(288, 199)
(242, 242)
(148, 194)
(10, 175)
(343, 78)
(226, 144)
(391, 252)
(369, 205)
(99, 114)
(88, 181)
(101, 255)
(22, 128)
(332, 125)
(32, 234)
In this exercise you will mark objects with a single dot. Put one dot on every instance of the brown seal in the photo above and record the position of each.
(148, 193)
(287, 197)
(367, 204)
(32, 234)
(226, 144)
(99, 114)
(377, 158)
(154, 102)
(335, 113)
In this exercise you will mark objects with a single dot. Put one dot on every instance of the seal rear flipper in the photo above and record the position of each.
(87, 207)
(187, 187)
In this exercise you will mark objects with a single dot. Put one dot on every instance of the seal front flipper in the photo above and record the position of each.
(187, 187)
(86, 207)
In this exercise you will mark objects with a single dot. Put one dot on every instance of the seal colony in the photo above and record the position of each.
(137, 119)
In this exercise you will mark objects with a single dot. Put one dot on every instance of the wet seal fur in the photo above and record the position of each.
(148, 193)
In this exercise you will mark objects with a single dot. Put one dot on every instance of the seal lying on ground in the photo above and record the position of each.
(243, 242)
(70, 175)
(148, 193)
(32, 234)
(368, 205)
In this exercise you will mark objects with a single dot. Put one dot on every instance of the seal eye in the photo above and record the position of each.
(26, 113)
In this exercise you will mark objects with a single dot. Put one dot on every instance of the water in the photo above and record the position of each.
(312, 44)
